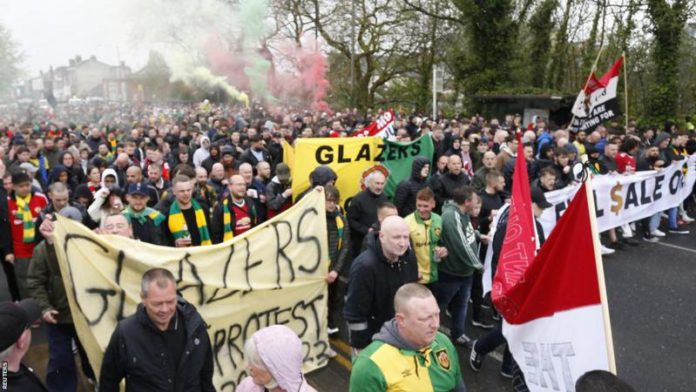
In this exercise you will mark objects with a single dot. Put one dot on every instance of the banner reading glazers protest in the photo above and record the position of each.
(273, 274)
(621, 199)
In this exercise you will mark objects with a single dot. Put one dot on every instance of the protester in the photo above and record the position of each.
(167, 337)
(444, 186)
(274, 358)
(147, 222)
(279, 191)
(16, 319)
(405, 194)
(24, 205)
(338, 233)
(426, 236)
(409, 344)
(187, 219)
(362, 211)
(235, 214)
(375, 275)
(45, 284)
(455, 272)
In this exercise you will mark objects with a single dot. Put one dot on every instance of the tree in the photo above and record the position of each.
(668, 22)
(10, 62)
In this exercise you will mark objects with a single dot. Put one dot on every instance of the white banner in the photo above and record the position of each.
(621, 199)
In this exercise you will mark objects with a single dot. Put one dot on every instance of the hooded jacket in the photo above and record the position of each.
(202, 153)
(137, 351)
(405, 194)
(390, 363)
(370, 294)
(281, 352)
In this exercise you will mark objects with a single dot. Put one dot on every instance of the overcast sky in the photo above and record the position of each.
(50, 32)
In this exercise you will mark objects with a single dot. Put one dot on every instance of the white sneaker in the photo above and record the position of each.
(687, 218)
(606, 251)
(658, 233)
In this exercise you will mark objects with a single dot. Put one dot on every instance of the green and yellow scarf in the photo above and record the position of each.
(177, 222)
(24, 213)
(142, 216)
(228, 233)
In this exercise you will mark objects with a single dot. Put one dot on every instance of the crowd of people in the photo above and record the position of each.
(195, 175)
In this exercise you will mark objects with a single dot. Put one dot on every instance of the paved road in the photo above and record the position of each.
(653, 314)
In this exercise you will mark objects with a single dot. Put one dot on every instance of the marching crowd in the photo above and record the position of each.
(195, 175)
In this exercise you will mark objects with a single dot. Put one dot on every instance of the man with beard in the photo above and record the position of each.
(155, 179)
(256, 151)
(51, 152)
(235, 214)
(227, 159)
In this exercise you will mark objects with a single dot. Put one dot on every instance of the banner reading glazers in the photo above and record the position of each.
(354, 158)
(621, 199)
(273, 274)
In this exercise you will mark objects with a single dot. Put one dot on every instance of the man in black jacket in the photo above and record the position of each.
(163, 346)
(256, 152)
(405, 195)
(362, 211)
(444, 185)
(375, 276)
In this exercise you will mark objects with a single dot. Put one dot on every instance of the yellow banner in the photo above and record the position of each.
(348, 157)
(273, 274)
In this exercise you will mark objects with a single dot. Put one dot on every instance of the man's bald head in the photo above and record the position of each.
(394, 237)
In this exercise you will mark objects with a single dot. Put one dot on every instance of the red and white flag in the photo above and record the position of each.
(382, 127)
(555, 317)
(597, 102)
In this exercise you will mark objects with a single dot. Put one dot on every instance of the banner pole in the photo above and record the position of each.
(600, 272)
(625, 87)
(592, 71)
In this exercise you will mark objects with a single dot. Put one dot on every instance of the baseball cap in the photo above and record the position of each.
(15, 317)
(138, 188)
(539, 198)
(28, 167)
(283, 172)
(71, 213)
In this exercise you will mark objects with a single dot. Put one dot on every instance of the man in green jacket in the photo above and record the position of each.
(409, 353)
(453, 288)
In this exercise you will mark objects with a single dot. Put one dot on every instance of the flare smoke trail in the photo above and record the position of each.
(214, 43)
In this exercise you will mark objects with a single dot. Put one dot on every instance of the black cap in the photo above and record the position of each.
(138, 188)
(15, 317)
(539, 198)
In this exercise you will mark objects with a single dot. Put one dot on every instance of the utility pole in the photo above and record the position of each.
(352, 54)
(434, 92)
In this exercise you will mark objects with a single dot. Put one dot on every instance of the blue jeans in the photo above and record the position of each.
(61, 374)
(672, 213)
(453, 292)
